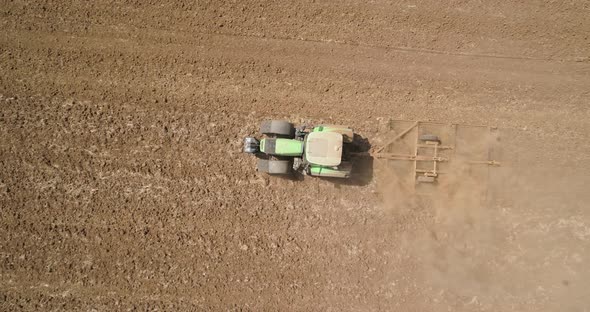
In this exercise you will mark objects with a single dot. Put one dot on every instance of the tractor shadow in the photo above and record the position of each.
(362, 168)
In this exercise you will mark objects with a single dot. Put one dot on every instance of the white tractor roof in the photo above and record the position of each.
(324, 148)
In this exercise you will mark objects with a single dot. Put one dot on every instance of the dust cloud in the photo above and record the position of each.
(507, 236)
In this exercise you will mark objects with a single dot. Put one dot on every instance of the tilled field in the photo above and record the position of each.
(123, 185)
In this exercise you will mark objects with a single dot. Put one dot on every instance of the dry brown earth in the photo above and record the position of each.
(122, 185)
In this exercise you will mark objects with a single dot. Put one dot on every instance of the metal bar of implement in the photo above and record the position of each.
(485, 162)
(397, 137)
(407, 157)
(429, 171)
(435, 156)
(415, 163)
(439, 147)
(447, 124)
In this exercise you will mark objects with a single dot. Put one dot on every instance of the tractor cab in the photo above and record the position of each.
(323, 148)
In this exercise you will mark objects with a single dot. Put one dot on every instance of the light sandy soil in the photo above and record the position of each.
(122, 184)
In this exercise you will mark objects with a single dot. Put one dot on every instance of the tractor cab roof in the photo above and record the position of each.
(323, 148)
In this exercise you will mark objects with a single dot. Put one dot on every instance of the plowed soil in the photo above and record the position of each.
(123, 185)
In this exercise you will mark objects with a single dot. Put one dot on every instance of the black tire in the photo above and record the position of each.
(273, 166)
(277, 127)
(429, 137)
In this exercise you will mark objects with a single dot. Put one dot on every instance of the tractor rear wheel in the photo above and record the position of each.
(277, 127)
(273, 166)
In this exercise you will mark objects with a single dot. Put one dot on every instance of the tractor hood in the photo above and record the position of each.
(281, 147)
(324, 148)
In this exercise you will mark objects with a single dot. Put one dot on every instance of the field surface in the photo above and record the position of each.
(123, 185)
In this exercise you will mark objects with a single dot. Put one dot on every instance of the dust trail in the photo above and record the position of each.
(458, 245)
(459, 236)
(517, 239)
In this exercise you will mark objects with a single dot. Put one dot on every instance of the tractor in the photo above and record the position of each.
(322, 150)
(411, 150)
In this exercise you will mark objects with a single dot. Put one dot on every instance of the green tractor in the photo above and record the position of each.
(323, 150)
